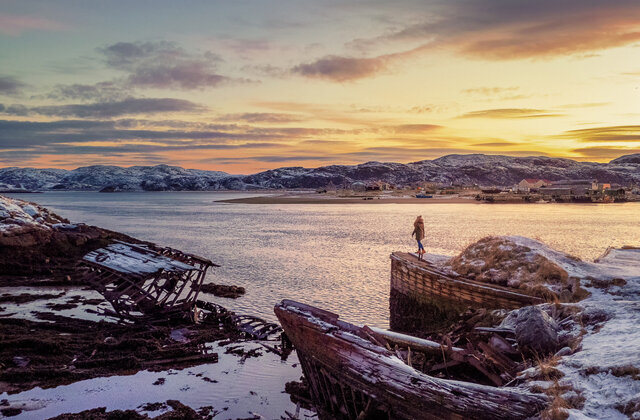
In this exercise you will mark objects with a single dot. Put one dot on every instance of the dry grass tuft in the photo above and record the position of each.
(562, 396)
(499, 260)
(618, 371)
(546, 369)
(557, 410)
(630, 407)
(627, 370)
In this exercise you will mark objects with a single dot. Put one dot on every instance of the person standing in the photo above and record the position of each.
(418, 231)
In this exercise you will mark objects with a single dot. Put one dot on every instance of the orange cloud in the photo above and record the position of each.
(630, 133)
(494, 30)
(511, 113)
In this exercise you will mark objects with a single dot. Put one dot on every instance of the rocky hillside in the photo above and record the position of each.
(483, 170)
(115, 178)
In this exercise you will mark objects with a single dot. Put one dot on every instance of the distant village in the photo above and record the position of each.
(529, 190)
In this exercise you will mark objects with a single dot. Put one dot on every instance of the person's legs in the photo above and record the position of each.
(420, 250)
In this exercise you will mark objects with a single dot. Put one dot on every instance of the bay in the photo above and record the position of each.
(335, 256)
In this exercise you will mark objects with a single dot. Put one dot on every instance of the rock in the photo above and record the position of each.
(565, 351)
(536, 331)
(10, 412)
(223, 290)
(594, 315)
(514, 282)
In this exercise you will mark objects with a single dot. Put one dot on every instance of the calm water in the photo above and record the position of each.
(333, 256)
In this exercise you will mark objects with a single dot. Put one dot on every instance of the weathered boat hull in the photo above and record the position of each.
(428, 285)
(352, 377)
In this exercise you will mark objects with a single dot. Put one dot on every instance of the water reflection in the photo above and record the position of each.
(332, 256)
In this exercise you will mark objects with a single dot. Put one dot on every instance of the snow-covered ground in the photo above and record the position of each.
(602, 371)
(602, 374)
(14, 214)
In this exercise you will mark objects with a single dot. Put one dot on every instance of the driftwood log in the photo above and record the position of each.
(353, 377)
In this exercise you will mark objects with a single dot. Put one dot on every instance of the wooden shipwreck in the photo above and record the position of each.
(141, 282)
(355, 373)
(420, 280)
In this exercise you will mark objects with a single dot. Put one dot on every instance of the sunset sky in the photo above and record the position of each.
(243, 86)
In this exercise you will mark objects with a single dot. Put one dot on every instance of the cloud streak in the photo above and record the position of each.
(617, 133)
(263, 117)
(342, 69)
(604, 152)
(102, 91)
(491, 91)
(511, 113)
(129, 106)
(14, 25)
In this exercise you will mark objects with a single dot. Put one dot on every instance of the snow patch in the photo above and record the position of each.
(18, 215)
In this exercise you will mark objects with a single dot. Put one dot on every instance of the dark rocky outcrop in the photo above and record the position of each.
(536, 331)
(35, 241)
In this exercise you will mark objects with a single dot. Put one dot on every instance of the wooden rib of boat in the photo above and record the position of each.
(353, 375)
(424, 283)
(141, 282)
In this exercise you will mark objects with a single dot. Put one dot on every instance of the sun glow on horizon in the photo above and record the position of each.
(334, 84)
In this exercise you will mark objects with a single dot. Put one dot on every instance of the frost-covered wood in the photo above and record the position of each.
(415, 343)
(134, 259)
(141, 282)
(349, 374)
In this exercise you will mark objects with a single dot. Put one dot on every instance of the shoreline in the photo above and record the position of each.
(285, 199)
(319, 199)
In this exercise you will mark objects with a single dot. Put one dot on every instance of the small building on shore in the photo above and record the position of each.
(527, 184)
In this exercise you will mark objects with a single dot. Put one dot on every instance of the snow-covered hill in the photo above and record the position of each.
(484, 170)
(116, 178)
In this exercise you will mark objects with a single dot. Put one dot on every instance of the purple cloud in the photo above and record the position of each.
(341, 69)
(102, 91)
(128, 106)
(163, 65)
(10, 85)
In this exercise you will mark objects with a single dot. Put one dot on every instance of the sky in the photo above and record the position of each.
(245, 86)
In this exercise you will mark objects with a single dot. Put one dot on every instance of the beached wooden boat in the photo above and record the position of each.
(426, 284)
(141, 282)
(353, 375)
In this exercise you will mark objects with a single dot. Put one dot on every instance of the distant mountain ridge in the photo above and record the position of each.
(480, 169)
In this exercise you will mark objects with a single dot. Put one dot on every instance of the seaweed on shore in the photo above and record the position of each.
(47, 354)
(178, 411)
